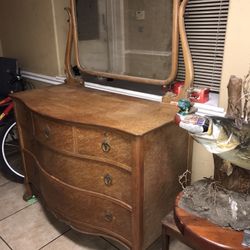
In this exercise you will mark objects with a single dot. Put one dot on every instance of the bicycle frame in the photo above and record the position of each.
(8, 109)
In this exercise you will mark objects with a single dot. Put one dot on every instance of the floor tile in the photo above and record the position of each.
(3, 180)
(76, 241)
(3, 246)
(11, 198)
(31, 228)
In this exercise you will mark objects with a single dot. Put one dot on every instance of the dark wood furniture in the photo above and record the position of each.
(103, 163)
(198, 233)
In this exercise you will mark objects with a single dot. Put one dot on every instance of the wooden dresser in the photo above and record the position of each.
(103, 163)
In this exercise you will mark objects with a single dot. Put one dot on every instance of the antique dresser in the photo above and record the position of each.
(104, 163)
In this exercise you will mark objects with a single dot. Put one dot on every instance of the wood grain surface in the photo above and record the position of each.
(75, 104)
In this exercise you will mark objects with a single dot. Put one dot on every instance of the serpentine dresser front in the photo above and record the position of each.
(103, 163)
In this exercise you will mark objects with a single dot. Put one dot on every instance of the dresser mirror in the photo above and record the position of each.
(127, 39)
(123, 42)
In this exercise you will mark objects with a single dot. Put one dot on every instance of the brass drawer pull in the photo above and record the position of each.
(106, 147)
(46, 132)
(108, 217)
(108, 180)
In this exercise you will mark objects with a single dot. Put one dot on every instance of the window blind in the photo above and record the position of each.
(205, 22)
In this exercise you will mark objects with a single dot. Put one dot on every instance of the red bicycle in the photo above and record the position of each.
(10, 153)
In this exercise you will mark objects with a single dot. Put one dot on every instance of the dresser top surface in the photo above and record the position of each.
(86, 106)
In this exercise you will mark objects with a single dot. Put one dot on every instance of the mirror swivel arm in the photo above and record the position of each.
(67, 62)
(71, 79)
(189, 69)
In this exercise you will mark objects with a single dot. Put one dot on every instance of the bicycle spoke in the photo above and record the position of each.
(11, 145)
(13, 152)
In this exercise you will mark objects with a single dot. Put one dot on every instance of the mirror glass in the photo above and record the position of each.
(128, 37)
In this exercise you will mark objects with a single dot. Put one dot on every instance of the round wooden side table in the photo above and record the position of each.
(205, 235)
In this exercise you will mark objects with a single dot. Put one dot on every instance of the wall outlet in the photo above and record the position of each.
(140, 15)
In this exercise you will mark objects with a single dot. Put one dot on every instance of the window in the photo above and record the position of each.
(206, 22)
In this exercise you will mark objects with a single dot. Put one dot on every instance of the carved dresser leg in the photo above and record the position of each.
(28, 192)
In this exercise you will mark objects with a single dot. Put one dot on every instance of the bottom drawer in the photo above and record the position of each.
(80, 208)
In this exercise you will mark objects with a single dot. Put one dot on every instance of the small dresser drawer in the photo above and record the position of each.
(87, 174)
(104, 144)
(81, 209)
(54, 134)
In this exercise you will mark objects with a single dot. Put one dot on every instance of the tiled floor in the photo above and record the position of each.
(27, 226)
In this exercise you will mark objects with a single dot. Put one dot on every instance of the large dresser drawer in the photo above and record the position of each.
(56, 135)
(87, 174)
(105, 144)
(83, 209)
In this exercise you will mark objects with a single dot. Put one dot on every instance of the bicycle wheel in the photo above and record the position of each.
(10, 156)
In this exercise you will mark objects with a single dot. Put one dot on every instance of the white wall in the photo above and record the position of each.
(237, 47)
(36, 36)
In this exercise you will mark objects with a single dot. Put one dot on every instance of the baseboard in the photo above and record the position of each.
(55, 80)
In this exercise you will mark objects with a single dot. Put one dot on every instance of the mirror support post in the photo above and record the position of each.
(70, 78)
(189, 70)
(175, 43)
(75, 35)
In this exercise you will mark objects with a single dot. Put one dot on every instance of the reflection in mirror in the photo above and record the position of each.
(128, 37)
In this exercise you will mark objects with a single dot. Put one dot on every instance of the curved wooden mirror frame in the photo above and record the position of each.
(178, 30)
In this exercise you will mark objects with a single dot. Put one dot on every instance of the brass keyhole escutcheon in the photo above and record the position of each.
(108, 217)
(47, 132)
(106, 147)
(108, 180)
